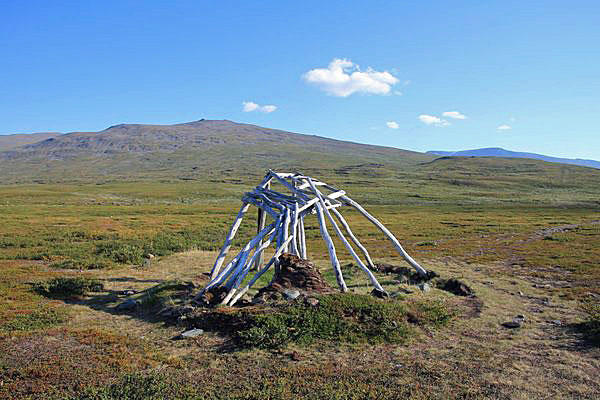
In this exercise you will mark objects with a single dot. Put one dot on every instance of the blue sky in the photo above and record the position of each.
(345, 70)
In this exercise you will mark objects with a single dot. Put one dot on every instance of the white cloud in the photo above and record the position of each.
(268, 109)
(504, 127)
(433, 120)
(249, 106)
(342, 78)
(454, 114)
(392, 125)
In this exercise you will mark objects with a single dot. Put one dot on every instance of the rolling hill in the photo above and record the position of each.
(499, 152)
(206, 148)
(9, 142)
(227, 157)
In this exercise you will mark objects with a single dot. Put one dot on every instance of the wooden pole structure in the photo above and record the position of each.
(289, 232)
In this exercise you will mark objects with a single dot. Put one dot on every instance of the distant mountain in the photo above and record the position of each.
(9, 142)
(207, 149)
(499, 152)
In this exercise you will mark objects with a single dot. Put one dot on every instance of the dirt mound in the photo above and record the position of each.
(294, 275)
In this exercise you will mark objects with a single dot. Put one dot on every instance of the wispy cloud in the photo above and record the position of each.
(504, 127)
(249, 106)
(392, 125)
(454, 115)
(343, 78)
(433, 120)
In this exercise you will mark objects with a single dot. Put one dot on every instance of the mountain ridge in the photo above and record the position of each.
(202, 148)
(500, 152)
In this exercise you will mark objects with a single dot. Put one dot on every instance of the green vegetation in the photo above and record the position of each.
(40, 318)
(342, 318)
(591, 309)
(63, 287)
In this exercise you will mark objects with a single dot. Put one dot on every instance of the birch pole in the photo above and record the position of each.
(260, 273)
(302, 237)
(294, 230)
(331, 247)
(353, 238)
(262, 217)
(228, 241)
(228, 269)
(344, 240)
(387, 233)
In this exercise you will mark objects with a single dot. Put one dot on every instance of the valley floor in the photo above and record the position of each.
(540, 262)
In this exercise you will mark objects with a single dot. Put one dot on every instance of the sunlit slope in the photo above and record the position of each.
(197, 150)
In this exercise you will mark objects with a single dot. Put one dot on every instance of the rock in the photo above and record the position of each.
(187, 309)
(512, 324)
(167, 312)
(520, 293)
(311, 301)
(425, 287)
(517, 322)
(291, 294)
(192, 333)
(546, 302)
(128, 292)
(457, 287)
(128, 305)
(556, 322)
(379, 294)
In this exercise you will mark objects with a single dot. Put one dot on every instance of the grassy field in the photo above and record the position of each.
(527, 242)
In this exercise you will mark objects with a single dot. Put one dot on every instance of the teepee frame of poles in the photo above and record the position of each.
(307, 196)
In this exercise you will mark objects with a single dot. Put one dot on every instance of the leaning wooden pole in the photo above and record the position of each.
(344, 240)
(260, 273)
(422, 271)
(228, 241)
(262, 218)
(357, 242)
(331, 248)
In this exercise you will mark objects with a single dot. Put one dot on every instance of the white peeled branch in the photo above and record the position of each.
(389, 235)
(345, 241)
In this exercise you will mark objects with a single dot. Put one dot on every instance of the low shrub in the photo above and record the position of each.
(343, 317)
(592, 312)
(62, 287)
(40, 318)
(124, 252)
